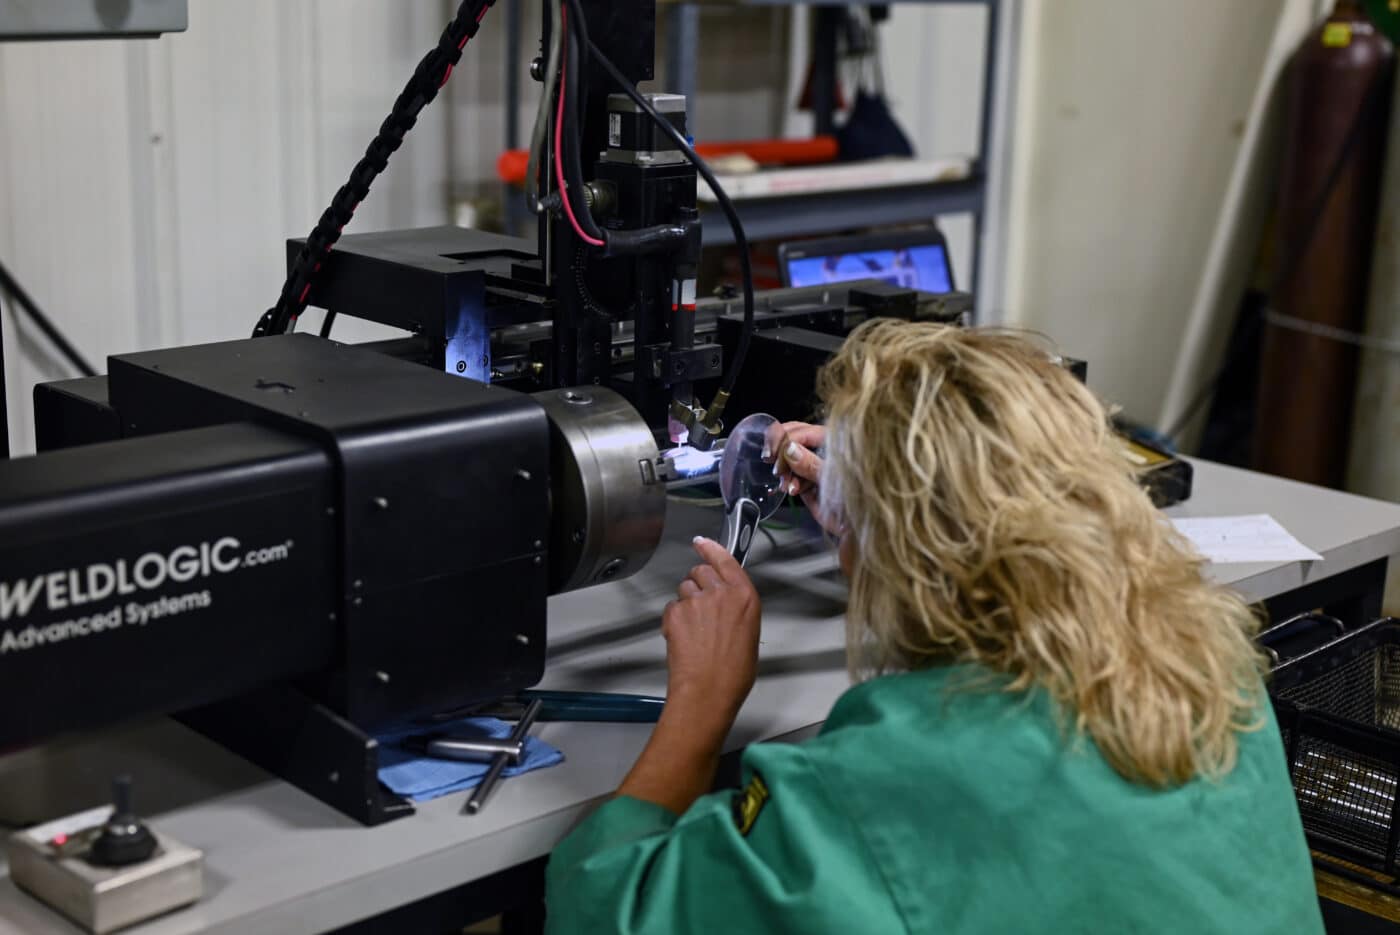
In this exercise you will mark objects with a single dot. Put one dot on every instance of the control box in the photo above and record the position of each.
(62, 864)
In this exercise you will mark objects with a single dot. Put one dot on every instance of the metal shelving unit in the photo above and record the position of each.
(805, 215)
(813, 214)
(810, 215)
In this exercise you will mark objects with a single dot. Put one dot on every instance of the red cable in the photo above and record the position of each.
(462, 45)
(558, 140)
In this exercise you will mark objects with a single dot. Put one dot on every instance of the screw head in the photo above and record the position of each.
(461, 366)
(381, 503)
(537, 69)
(522, 639)
(382, 677)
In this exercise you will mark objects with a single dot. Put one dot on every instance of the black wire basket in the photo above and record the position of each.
(1299, 635)
(1338, 708)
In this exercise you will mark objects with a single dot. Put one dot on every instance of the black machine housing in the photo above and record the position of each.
(476, 305)
(298, 544)
(307, 527)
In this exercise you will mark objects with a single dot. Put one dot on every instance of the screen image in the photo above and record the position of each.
(924, 268)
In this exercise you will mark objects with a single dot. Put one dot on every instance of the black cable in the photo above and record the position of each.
(327, 324)
(1285, 270)
(585, 52)
(430, 75)
(539, 134)
(585, 60)
(740, 241)
(571, 146)
(660, 238)
(11, 287)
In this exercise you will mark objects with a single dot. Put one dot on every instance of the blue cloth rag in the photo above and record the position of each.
(418, 777)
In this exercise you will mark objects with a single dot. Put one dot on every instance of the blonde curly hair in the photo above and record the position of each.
(996, 520)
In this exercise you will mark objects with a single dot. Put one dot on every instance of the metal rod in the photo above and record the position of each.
(4, 412)
(121, 795)
(56, 338)
(825, 65)
(989, 90)
(514, 204)
(498, 763)
(984, 147)
(512, 62)
(682, 56)
(476, 750)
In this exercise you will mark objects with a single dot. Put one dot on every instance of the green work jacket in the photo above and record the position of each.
(926, 806)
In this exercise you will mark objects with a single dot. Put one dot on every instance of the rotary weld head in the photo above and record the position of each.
(607, 510)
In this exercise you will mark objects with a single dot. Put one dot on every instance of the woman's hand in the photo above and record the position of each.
(792, 446)
(711, 632)
(711, 635)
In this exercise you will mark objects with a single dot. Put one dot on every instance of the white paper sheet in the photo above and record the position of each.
(1254, 538)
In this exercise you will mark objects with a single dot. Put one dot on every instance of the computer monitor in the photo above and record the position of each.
(915, 259)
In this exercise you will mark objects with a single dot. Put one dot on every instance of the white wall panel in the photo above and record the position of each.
(259, 153)
(1130, 116)
(475, 98)
(65, 165)
(223, 86)
(147, 187)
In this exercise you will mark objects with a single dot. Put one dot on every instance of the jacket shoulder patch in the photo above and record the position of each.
(749, 802)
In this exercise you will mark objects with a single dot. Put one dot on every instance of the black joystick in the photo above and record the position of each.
(124, 839)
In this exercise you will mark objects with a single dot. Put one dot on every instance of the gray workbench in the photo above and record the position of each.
(1355, 535)
(280, 862)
